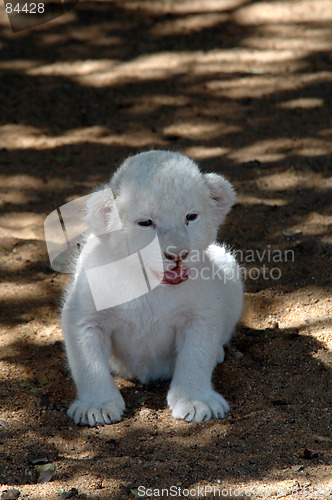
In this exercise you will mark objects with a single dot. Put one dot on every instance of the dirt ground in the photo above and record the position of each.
(243, 87)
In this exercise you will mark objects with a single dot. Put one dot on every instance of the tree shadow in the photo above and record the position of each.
(273, 418)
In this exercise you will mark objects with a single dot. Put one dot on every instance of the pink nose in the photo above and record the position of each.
(177, 258)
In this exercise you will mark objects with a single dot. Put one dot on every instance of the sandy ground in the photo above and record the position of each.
(244, 87)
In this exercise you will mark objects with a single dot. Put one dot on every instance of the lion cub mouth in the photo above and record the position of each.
(175, 276)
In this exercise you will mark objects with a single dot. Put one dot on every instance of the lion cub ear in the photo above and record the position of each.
(222, 195)
(101, 211)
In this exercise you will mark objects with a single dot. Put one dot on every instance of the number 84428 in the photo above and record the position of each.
(27, 8)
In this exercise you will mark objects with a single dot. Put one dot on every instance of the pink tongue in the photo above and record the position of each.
(175, 276)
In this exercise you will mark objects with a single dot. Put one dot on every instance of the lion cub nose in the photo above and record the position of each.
(177, 257)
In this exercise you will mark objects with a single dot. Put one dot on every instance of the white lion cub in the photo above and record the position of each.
(153, 296)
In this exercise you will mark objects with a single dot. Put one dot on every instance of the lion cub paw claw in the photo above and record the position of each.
(94, 414)
(199, 410)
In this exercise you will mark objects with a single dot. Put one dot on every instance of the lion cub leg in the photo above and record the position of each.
(191, 396)
(99, 400)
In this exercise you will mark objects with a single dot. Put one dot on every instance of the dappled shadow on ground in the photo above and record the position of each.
(193, 78)
(277, 393)
(244, 87)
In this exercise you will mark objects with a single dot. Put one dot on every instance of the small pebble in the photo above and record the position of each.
(11, 494)
(238, 355)
(69, 494)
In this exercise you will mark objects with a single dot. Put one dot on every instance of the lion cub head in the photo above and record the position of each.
(163, 194)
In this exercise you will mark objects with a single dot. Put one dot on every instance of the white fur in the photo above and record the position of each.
(175, 331)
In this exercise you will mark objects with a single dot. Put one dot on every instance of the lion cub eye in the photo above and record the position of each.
(145, 223)
(190, 217)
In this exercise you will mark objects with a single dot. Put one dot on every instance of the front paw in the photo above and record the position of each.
(201, 409)
(93, 413)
